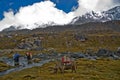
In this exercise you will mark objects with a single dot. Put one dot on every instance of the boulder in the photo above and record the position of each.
(37, 42)
(78, 55)
(25, 46)
(106, 53)
(101, 52)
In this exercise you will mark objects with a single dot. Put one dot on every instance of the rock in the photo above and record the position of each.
(37, 49)
(89, 52)
(37, 42)
(78, 55)
(81, 38)
(107, 53)
(25, 46)
(101, 53)
(115, 57)
(36, 60)
(118, 49)
(118, 52)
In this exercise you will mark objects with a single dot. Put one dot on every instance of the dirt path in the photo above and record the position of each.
(24, 67)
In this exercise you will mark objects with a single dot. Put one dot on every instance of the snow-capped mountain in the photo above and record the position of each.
(11, 28)
(14, 28)
(112, 14)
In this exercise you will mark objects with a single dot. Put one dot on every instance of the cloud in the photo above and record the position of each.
(45, 12)
(38, 13)
(95, 5)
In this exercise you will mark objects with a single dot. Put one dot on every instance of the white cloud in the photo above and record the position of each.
(38, 13)
(88, 4)
(95, 5)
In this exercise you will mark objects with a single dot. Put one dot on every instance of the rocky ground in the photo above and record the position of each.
(96, 53)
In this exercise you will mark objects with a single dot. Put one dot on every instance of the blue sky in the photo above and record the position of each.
(65, 5)
(6, 5)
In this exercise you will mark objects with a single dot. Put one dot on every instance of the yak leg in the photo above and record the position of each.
(61, 69)
(73, 67)
(55, 70)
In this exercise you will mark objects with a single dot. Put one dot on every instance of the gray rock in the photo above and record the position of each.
(107, 53)
(37, 42)
(78, 55)
(101, 52)
(25, 46)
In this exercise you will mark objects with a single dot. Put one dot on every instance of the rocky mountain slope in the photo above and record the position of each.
(91, 27)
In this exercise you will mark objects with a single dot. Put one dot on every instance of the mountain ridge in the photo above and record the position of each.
(111, 14)
(112, 26)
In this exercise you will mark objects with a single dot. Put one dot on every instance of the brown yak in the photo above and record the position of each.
(62, 67)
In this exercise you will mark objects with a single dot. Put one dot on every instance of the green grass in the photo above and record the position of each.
(103, 69)
(4, 66)
(58, 41)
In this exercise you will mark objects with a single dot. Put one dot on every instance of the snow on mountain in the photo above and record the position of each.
(112, 14)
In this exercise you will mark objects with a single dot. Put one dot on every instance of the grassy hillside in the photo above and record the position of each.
(86, 70)
(99, 35)
(66, 41)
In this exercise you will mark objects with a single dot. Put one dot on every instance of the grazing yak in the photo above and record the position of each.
(59, 66)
